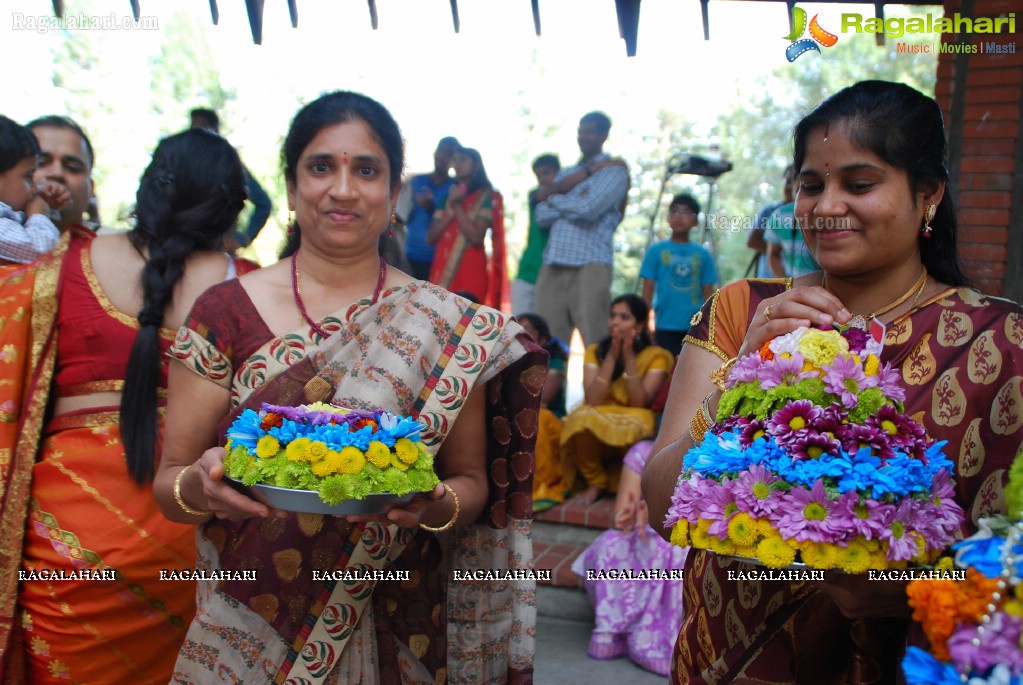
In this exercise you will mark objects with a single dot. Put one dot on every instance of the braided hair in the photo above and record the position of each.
(188, 198)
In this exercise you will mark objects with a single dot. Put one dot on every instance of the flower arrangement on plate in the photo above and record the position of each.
(811, 460)
(341, 454)
(975, 626)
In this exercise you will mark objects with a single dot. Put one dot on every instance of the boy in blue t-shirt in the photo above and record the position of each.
(677, 275)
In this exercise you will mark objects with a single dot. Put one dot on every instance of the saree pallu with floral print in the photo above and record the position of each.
(69, 509)
(419, 350)
(960, 354)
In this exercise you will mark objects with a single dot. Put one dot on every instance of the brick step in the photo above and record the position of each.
(560, 534)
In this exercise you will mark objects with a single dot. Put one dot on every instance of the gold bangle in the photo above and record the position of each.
(718, 376)
(698, 427)
(181, 502)
(454, 516)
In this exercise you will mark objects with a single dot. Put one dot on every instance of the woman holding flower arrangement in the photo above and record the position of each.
(334, 322)
(622, 375)
(874, 210)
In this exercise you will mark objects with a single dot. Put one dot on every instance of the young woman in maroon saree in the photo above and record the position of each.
(334, 322)
(874, 209)
(459, 230)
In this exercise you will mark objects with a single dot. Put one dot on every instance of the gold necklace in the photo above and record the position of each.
(863, 321)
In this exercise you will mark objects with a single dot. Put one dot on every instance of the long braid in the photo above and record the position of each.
(176, 216)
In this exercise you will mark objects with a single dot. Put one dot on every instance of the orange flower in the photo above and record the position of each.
(975, 594)
(362, 423)
(765, 351)
(271, 420)
(934, 607)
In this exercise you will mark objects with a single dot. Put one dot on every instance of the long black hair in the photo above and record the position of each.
(904, 128)
(479, 177)
(555, 346)
(331, 109)
(641, 312)
(188, 198)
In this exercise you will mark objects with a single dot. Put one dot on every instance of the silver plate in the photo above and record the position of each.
(309, 502)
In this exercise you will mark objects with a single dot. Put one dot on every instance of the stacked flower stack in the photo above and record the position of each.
(342, 454)
(975, 626)
(811, 460)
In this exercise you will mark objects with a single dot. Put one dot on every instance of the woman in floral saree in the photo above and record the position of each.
(335, 323)
(875, 210)
(459, 230)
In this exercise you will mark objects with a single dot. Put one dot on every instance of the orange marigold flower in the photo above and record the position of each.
(935, 606)
(362, 423)
(765, 351)
(271, 420)
(975, 594)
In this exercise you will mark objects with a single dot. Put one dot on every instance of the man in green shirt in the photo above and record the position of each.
(523, 288)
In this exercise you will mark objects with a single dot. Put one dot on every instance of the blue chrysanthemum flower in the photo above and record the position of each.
(245, 430)
(920, 668)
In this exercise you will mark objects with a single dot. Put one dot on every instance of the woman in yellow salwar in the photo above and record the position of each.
(83, 382)
(622, 376)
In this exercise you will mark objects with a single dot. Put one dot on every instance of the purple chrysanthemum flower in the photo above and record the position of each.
(719, 506)
(811, 445)
(845, 378)
(687, 500)
(792, 419)
(868, 517)
(999, 645)
(901, 544)
(725, 426)
(750, 429)
(938, 516)
(889, 381)
(808, 515)
(855, 437)
(784, 370)
(753, 494)
(745, 370)
(903, 433)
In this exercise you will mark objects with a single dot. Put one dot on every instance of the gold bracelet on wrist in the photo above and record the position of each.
(719, 375)
(454, 516)
(701, 421)
(180, 500)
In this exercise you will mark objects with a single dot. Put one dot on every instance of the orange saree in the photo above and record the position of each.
(459, 266)
(70, 509)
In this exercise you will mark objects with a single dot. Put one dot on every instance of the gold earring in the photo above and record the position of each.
(928, 218)
(394, 217)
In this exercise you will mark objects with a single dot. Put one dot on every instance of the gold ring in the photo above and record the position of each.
(767, 313)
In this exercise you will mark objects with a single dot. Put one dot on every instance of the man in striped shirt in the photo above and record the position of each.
(582, 208)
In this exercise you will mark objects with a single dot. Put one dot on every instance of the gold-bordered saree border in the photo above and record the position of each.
(315, 652)
(30, 389)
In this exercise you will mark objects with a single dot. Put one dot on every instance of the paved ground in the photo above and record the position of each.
(561, 658)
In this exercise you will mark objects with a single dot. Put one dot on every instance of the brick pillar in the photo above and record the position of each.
(981, 95)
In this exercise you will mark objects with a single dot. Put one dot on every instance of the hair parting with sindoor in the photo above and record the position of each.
(188, 198)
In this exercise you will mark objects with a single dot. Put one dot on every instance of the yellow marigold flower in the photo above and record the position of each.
(1013, 607)
(821, 347)
(853, 558)
(297, 449)
(765, 529)
(700, 538)
(323, 406)
(872, 545)
(742, 531)
(317, 450)
(719, 546)
(947, 564)
(819, 555)
(398, 463)
(774, 553)
(680, 534)
(703, 524)
(352, 460)
(748, 552)
(878, 559)
(921, 556)
(267, 447)
(378, 454)
(873, 365)
(324, 467)
(406, 450)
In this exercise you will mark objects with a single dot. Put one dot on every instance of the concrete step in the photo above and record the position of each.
(568, 603)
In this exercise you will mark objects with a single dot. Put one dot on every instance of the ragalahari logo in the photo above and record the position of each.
(804, 45)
